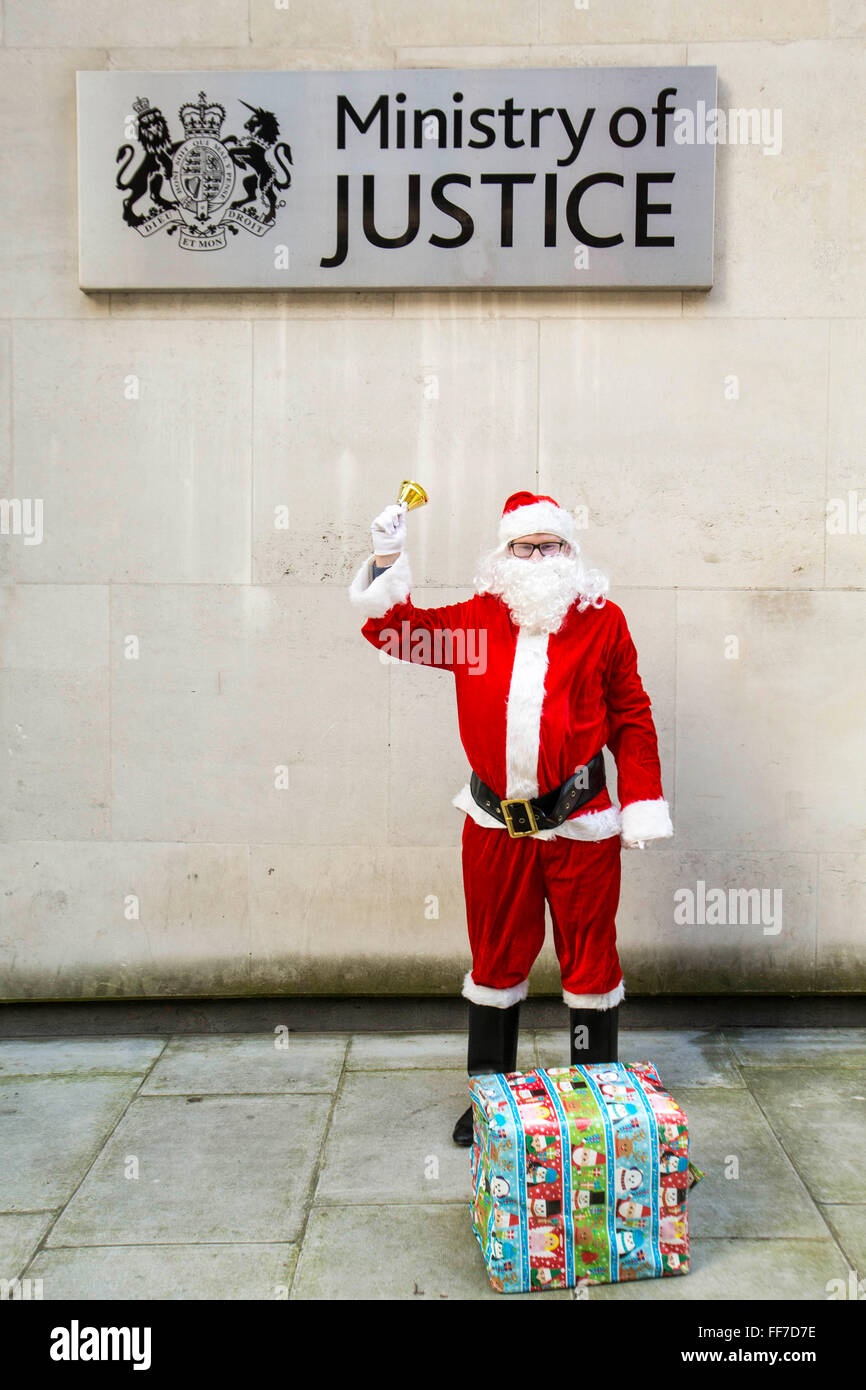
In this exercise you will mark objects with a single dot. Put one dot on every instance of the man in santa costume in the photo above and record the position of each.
(558, 683)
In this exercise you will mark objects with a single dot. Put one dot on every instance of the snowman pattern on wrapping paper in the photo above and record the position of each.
(495, 1152)
(544, 1198)
(631, 1195)
(673, 1183)
(545, 1190)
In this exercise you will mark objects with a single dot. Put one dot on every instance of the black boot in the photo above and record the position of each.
(492, 1048)
(603, 1035)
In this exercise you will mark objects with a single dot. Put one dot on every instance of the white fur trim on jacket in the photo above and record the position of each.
(537, 517)
(646, 820)
(523, 713)
(377, 597)
(495, 998)
(595, 1001)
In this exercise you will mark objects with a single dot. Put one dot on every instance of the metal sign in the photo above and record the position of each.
(407, 178)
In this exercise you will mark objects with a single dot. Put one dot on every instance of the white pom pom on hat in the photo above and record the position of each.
(526, 513)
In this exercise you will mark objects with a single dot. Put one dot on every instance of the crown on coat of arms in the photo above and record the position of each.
(202, 119)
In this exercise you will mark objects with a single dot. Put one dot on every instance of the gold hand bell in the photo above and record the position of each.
(412, 494)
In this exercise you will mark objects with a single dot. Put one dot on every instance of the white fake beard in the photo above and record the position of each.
(538, 593)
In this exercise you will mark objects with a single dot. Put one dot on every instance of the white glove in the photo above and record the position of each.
(389, 529)
(633, 844)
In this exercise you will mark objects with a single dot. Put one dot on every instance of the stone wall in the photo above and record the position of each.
(166, 648)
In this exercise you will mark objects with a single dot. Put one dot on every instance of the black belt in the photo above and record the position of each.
(524, 816)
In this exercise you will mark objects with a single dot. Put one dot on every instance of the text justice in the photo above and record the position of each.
(636, 218)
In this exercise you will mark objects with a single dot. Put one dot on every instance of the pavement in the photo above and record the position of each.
(321, 1166)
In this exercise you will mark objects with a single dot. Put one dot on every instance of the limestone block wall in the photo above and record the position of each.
(166, 649)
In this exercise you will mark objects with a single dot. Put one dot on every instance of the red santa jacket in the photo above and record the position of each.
(532, 708)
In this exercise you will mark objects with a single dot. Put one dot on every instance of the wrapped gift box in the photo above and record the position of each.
(580, 1175)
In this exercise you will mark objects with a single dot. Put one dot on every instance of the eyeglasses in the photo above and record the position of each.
(524, 549)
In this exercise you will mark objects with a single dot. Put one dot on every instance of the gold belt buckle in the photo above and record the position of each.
(518, 801)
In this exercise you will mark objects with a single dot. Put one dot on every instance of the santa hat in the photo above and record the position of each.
(528, 512)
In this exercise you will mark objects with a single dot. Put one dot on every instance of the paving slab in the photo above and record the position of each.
(227, 1168)
(378, 1051)
(797, 1047)
(724, 1269)
(700, 1057)
(249, 1064)
(728, 1133)
(819, 1115)
(390, 1140)
(52, 1129)
(227, 1132)
(233, 1272)
(79, 1056)
(423, 1251)
(848, 1224)
(20, 1233)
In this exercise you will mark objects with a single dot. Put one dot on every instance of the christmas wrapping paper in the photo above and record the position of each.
(580, 1175)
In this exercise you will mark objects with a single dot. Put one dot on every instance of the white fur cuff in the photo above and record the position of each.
(494, 998)
(595, 1001)
(646, 820)
(377, 597)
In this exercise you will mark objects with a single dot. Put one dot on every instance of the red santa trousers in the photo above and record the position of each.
(506, 882)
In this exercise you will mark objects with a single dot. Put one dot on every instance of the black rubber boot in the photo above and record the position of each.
(492, 1047)
(603, 1035)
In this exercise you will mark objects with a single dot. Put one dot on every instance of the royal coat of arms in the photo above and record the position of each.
(188, 186)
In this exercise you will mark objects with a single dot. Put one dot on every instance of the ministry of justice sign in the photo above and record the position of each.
(409, 178)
